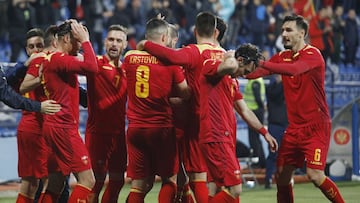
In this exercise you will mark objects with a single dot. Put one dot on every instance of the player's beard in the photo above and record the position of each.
(112, 55)
(287, 46)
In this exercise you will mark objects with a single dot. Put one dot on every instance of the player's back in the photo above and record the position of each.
(149, 84)
(197, 54)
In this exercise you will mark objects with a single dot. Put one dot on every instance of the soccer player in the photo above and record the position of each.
(216, 186)
(151, 139)
(191, 58)
(217, 124)
(69, 153)
(32, 149)
(105, 128)
(307, 136)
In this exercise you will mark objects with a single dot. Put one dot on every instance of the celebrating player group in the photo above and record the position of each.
(180, 104)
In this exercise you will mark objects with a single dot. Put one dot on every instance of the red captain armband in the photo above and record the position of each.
(263, 131)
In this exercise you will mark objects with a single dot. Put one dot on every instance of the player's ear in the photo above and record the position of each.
(164, 38)
(216, 33)
(67, 38)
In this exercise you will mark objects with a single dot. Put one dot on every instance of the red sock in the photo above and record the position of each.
(222, 197)
(200, 191)
(331, 191)
(285, 194)
(135, 196)
(49, 197)
(112, 191)
(23, 199)
(80, 193)
(167, 192)
(96, 191)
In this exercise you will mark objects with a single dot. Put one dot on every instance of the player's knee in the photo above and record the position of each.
(315, 176)
(235, 190)
(86, 178)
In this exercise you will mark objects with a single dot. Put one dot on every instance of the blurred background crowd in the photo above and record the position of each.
(334, 24)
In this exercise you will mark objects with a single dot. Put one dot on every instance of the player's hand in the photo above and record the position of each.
(229, 54)
(32, 57)
(176, 101)
(50, 107)
(272, 142)
(140, 46)
(79, 31)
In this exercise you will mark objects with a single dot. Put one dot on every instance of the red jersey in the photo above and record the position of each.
(191, 58)
(32, 121)
(61, 84)
(106, 91)
(303, 80)
(217, 117)
(149, 84)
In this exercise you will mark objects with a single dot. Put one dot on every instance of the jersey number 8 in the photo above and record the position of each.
(142, 81)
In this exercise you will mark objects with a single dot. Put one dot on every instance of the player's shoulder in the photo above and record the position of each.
(285, 52)
(310, 50)
(135, 52)
(102, 60)
(38, 59)
(54, 56)
(207, 46)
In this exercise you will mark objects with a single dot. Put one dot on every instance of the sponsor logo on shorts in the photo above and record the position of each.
(316, 163)
(85, 160)
(237, 174)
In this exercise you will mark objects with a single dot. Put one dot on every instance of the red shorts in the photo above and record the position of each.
(310, 143)
(223, 166)
(152, 151)
(107, 152)
(33, 154)
(69, 153)
(192, 155)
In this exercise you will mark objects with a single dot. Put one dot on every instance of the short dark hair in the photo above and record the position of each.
(221, 26)
(155, 27)
(117, 28)
(50, 35)
(205, 24)
(301, 23)
(34, 32)
(64, 28)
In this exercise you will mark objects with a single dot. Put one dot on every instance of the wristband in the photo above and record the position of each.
(263, 131)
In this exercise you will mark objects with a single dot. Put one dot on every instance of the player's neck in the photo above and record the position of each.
(299, 47)
(203, 40)
(114, 61)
